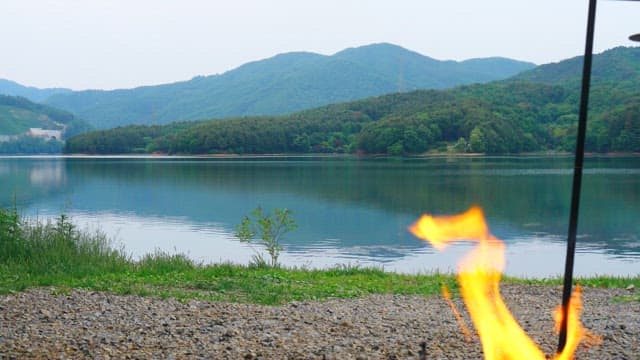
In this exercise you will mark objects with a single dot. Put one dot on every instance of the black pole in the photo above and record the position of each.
(577, 175)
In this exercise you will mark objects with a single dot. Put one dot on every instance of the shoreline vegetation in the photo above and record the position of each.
(535, 111)
(57, 254)
(550, 154)
(532, 111)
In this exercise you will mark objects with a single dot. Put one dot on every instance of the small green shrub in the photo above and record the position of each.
(271, 228)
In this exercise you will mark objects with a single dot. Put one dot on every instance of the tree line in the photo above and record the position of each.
(497, 118)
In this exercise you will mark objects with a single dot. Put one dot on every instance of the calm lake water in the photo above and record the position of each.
(349, 211)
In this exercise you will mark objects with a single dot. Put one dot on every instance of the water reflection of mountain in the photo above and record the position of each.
(369, 202)
(27, 180)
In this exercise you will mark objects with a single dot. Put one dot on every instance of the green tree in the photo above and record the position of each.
(477, 142)
(270, 228)
(396, 149)
(301, 143)
(461, 146)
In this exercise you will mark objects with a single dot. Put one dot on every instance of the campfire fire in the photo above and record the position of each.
(479, 277)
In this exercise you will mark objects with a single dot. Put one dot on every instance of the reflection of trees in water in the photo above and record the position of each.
(369, 202)
(25, 181)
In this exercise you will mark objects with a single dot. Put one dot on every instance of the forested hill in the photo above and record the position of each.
(18, 115)
(620, 64)
(509, 116)
(283, 84)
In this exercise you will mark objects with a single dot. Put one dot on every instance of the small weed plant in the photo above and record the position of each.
(270, 227)
(10, 235)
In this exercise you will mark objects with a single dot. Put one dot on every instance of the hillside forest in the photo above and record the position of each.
(535, 111)
(283, 84)
(18, 115)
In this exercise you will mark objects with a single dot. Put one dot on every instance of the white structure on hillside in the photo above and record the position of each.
(46, 134)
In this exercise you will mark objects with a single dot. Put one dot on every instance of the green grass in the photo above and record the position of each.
(602, 281)
(35, 254)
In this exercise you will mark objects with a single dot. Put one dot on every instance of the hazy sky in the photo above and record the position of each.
(108, 44)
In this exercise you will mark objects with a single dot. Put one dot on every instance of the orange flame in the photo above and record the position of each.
(463, 327)
(479, 276)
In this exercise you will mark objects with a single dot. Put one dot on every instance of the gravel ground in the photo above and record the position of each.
(93, 325)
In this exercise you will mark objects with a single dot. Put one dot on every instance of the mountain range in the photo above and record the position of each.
(533, 111)
(281, 84)
(12, 88)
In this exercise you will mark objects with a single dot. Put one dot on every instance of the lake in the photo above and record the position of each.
(349, 210)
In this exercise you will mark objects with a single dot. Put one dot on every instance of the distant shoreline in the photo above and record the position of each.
(319, 155)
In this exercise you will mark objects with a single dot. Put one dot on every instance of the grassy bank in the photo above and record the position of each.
(56, 253)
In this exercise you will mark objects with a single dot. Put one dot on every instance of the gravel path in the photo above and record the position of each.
(92, 325)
